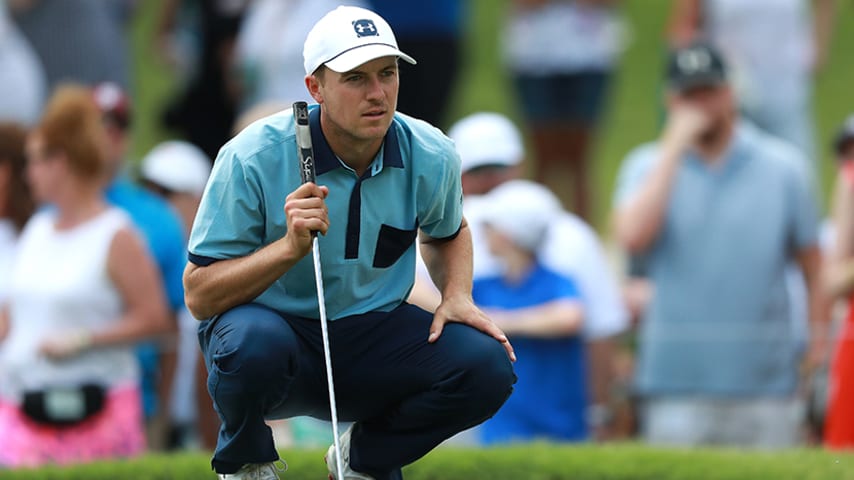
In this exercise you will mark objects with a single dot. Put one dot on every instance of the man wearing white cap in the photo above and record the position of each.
(178, 172)
(409, 379)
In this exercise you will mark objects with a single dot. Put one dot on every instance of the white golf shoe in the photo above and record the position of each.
(332, 462)
(256, 471)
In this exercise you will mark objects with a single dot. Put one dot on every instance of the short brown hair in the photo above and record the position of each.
(72, 124)
(19, 202)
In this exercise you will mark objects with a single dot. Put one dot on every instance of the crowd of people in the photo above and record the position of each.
(714, 312)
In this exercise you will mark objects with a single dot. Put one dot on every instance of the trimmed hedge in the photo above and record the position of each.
(532, 462)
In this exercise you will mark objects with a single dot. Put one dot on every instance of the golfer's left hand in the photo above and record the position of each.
(461, 309)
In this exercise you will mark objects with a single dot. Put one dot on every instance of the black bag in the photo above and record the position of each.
(64, 406)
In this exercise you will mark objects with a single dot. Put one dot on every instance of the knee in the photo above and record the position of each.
(485, 370)
(255, 346)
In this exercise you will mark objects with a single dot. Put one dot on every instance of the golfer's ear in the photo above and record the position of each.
(313, 84)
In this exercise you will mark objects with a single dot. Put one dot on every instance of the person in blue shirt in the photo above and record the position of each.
(718, 211)
(160, 227)
(408, 379)
(541, 311)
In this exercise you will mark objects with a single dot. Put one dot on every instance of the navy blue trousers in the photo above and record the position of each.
(405, 395)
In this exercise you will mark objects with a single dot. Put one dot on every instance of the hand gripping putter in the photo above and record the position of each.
(306, 164)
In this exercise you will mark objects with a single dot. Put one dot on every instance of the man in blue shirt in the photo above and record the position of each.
(407, 378)
(718, 210)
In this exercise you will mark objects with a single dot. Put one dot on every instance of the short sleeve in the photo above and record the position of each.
(803, 206)
(440, 214)
(230, 221)
(633, 171)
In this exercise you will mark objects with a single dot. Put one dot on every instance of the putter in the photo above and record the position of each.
(306, 160)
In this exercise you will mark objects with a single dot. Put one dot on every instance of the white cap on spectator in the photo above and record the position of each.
(487, 138)
(348, 37)
(177, 166)
(522, 210)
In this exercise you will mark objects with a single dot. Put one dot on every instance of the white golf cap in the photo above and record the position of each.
(522, 210)
(487, 138)
(178, 166)
(348, 37)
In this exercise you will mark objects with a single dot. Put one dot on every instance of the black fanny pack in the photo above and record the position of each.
(64, 406)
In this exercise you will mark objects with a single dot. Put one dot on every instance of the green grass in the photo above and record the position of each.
(535, 462)
(633, 113)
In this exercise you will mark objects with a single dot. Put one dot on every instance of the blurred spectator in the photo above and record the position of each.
(269, 48)
(717, 209)
(161, 229)
(206, 105)
(20, 72)
(16, 202)
(772, 74)
(432, 32)
(16, 206)
(177, 171)
(541, 312)
(66, 34)
(257, 111)
(69, 391)
(491, 150)
(561, 55)
(839, 422)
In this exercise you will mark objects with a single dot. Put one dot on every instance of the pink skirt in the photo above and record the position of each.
(115, 432)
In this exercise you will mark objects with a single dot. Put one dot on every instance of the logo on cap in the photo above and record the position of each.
(365, 28)
(694, 60)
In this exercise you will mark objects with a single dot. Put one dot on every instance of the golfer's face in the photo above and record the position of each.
(361, 102)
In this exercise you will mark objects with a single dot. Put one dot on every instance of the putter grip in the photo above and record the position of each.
(303, 134)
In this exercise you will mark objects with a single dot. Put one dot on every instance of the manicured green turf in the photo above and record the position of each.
(536, 462)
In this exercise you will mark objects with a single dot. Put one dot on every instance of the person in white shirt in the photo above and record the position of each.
(562, 56)
(491, 151)
(82, 290)
(16, 203)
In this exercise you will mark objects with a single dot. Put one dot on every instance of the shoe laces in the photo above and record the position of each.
(277, 467)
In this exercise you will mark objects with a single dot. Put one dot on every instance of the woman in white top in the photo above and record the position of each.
(561, 56)
(82, 289)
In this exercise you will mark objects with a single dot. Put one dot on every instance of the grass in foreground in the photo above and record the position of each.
(532, 462)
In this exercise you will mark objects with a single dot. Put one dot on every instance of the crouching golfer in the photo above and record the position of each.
(409, 379)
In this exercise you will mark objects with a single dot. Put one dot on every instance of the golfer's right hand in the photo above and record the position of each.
(306, 212)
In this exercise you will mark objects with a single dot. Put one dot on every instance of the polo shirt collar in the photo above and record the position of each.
(325, 159)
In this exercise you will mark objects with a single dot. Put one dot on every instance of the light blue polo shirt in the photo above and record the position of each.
(719, 322)
(368, 254)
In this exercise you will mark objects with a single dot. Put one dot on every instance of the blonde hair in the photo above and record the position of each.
(72, 124)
